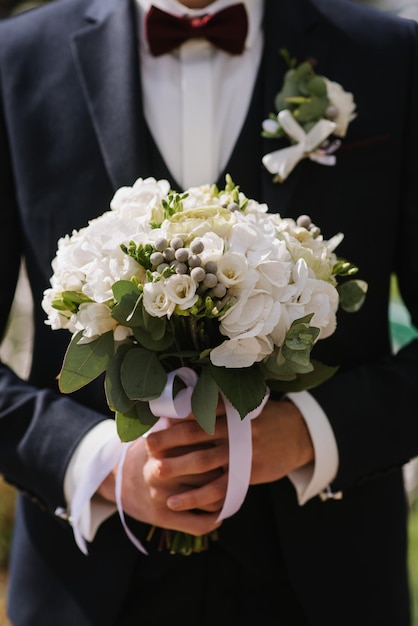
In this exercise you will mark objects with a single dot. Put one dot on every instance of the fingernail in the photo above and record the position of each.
(174, 503)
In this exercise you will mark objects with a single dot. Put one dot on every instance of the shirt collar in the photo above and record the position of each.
(254, 9)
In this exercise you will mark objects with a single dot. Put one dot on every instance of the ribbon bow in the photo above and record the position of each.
(281, 162)
(226, 29)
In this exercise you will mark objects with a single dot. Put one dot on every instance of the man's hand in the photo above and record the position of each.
(281, 442)
(180, 459)
(177, 477)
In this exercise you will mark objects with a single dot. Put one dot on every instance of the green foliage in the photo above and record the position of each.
(153, 333)
(352, 294)
(143, 377)
(135, 422)
(205, 400)
(245, 388)
(319, 374)
(140, 253)
(83, 362)
(294, 356)
(303, 93)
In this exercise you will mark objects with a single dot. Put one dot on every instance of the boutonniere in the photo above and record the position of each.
(313, 113)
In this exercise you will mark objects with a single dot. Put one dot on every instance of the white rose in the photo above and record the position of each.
(345, 105)
(56, 319)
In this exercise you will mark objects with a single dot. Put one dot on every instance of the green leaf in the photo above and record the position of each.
(352, 295)
(116, 397)
(205, 400)
(245, 388)
(128, 310)
(83, 362)
(156, 345)
(129, 426)
(155, 326)
(320, 374)
(142, 375)
(123, 288)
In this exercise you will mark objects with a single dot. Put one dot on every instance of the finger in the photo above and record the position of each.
(183, 433)
(209, 497)
(196, 462)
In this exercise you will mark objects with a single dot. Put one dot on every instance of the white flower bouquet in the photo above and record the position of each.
(206, 280)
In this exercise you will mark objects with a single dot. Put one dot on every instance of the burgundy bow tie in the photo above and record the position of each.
(226, 29)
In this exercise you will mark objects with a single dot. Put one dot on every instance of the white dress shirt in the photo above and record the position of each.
(195, 103)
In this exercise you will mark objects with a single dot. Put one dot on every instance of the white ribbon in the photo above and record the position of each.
(281, 162)
(239, 435)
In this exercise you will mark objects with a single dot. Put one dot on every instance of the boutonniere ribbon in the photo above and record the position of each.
(281, 162)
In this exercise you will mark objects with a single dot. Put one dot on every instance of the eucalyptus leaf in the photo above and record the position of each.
(319, 374)
(116, 397)
(245, 388)
(143, 377)
(352, 294)
(128, 311)
(123, 288)
(129, 426)
(83, 362)
(156, 326)
(157, 345)
(205, 400)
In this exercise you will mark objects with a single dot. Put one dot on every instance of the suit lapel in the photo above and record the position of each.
(106, 55)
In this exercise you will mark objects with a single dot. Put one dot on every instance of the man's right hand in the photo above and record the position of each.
(171, 461)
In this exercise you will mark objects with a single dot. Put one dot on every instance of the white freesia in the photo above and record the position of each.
(94, 319)
(180, 289)
(233, 269)
(56, 319)
(156, 301)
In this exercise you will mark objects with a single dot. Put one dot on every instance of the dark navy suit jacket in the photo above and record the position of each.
(71, 133)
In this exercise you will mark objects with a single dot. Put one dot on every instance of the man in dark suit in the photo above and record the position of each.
(85, 109)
